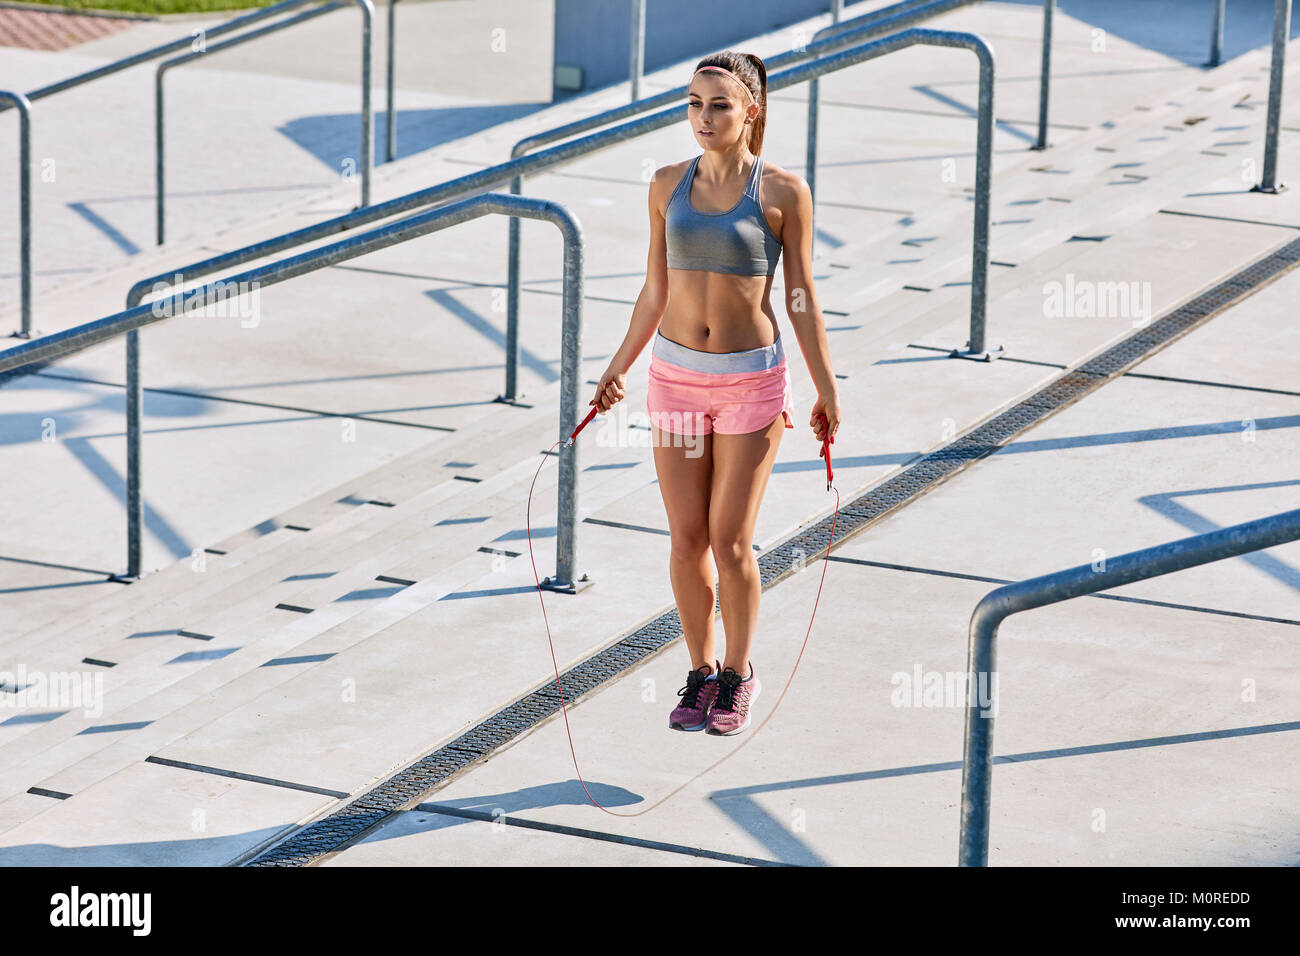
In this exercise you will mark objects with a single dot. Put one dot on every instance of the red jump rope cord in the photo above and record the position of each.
(824, 453)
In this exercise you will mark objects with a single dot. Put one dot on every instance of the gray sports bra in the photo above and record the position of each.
(738, 241)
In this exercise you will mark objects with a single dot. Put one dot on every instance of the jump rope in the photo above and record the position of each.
(825, 453)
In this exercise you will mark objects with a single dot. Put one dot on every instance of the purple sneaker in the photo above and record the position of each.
(697, 696)
(730, 712)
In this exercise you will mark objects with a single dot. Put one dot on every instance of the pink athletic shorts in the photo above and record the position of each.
(733, 393)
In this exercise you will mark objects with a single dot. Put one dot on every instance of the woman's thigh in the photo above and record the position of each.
(742, 465)
(684, 465)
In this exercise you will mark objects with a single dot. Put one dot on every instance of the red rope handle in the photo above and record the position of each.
(825, 453)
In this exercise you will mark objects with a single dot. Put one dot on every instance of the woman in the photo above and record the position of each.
(719, 395)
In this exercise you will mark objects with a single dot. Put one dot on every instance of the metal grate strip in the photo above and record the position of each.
(412, 784)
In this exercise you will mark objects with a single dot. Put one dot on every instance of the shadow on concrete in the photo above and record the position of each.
(1147, 434)
(1180, 29)
(543, 368)
(335, 138)
(739, 805)
(216, 850)
(1196, 523)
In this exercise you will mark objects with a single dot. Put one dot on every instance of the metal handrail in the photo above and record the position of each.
(136, 317)
(23, 103)
(983, 167)
(162, 50)
(24, 108)
(836, 36)
(178, 44)
(367, 126)
(479, 180)
(897, 16)
(8, 101)
(923, 10)
(424, 197)
(997, 605)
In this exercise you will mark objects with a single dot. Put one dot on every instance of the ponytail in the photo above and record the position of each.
(760, 121)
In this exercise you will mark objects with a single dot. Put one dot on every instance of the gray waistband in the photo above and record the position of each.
(750, 360)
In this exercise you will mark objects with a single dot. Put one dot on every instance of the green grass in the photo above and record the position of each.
(156, 6)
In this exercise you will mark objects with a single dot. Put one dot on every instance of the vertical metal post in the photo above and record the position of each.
(570, 369)
(837, 11)
(367, 120)
(983, 179)
(979, 276)
(977, 759)
(134, 501)
(158, 159)
(391, 130)
(999, 604)
(1216, 34)
(512, 303)
(319, 10)
(1281, 32)
(24, 205)
(637, 58)
(810, 161)
(1045, 73)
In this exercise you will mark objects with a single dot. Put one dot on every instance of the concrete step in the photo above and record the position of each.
(459, 700)
(164, 597)
(204, 695)
(395, 482)
(248, 608)
(1128, 126)
(392, 540)
(1132, 158)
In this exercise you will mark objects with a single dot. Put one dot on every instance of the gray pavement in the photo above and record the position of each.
(263, 126)
(1131, 714)
(297, 453)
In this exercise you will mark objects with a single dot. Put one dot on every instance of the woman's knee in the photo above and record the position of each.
(689, 547)
(731, 553)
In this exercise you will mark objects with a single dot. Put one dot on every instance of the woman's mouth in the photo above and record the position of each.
(706, 132)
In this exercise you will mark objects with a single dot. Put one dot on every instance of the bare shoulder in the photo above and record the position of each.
(665, 181)
(785, 197)
(783, 188)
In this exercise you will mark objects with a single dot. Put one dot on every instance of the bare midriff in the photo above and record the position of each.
(719, 312)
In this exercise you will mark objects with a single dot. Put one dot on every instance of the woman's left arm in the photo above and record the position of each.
(801, 301)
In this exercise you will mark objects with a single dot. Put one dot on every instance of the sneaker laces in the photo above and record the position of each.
(728, 681)
(690, 694)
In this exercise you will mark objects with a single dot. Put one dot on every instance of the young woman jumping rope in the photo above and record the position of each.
(719, 393)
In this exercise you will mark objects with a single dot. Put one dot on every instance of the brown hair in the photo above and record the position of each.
(753, 73)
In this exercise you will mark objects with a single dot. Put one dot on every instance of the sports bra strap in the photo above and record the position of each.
(755, 175)
(684, 184)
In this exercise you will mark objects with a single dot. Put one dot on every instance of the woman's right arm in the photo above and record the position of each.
(650, 304)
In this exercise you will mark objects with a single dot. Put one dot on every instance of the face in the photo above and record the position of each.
(716, 109)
